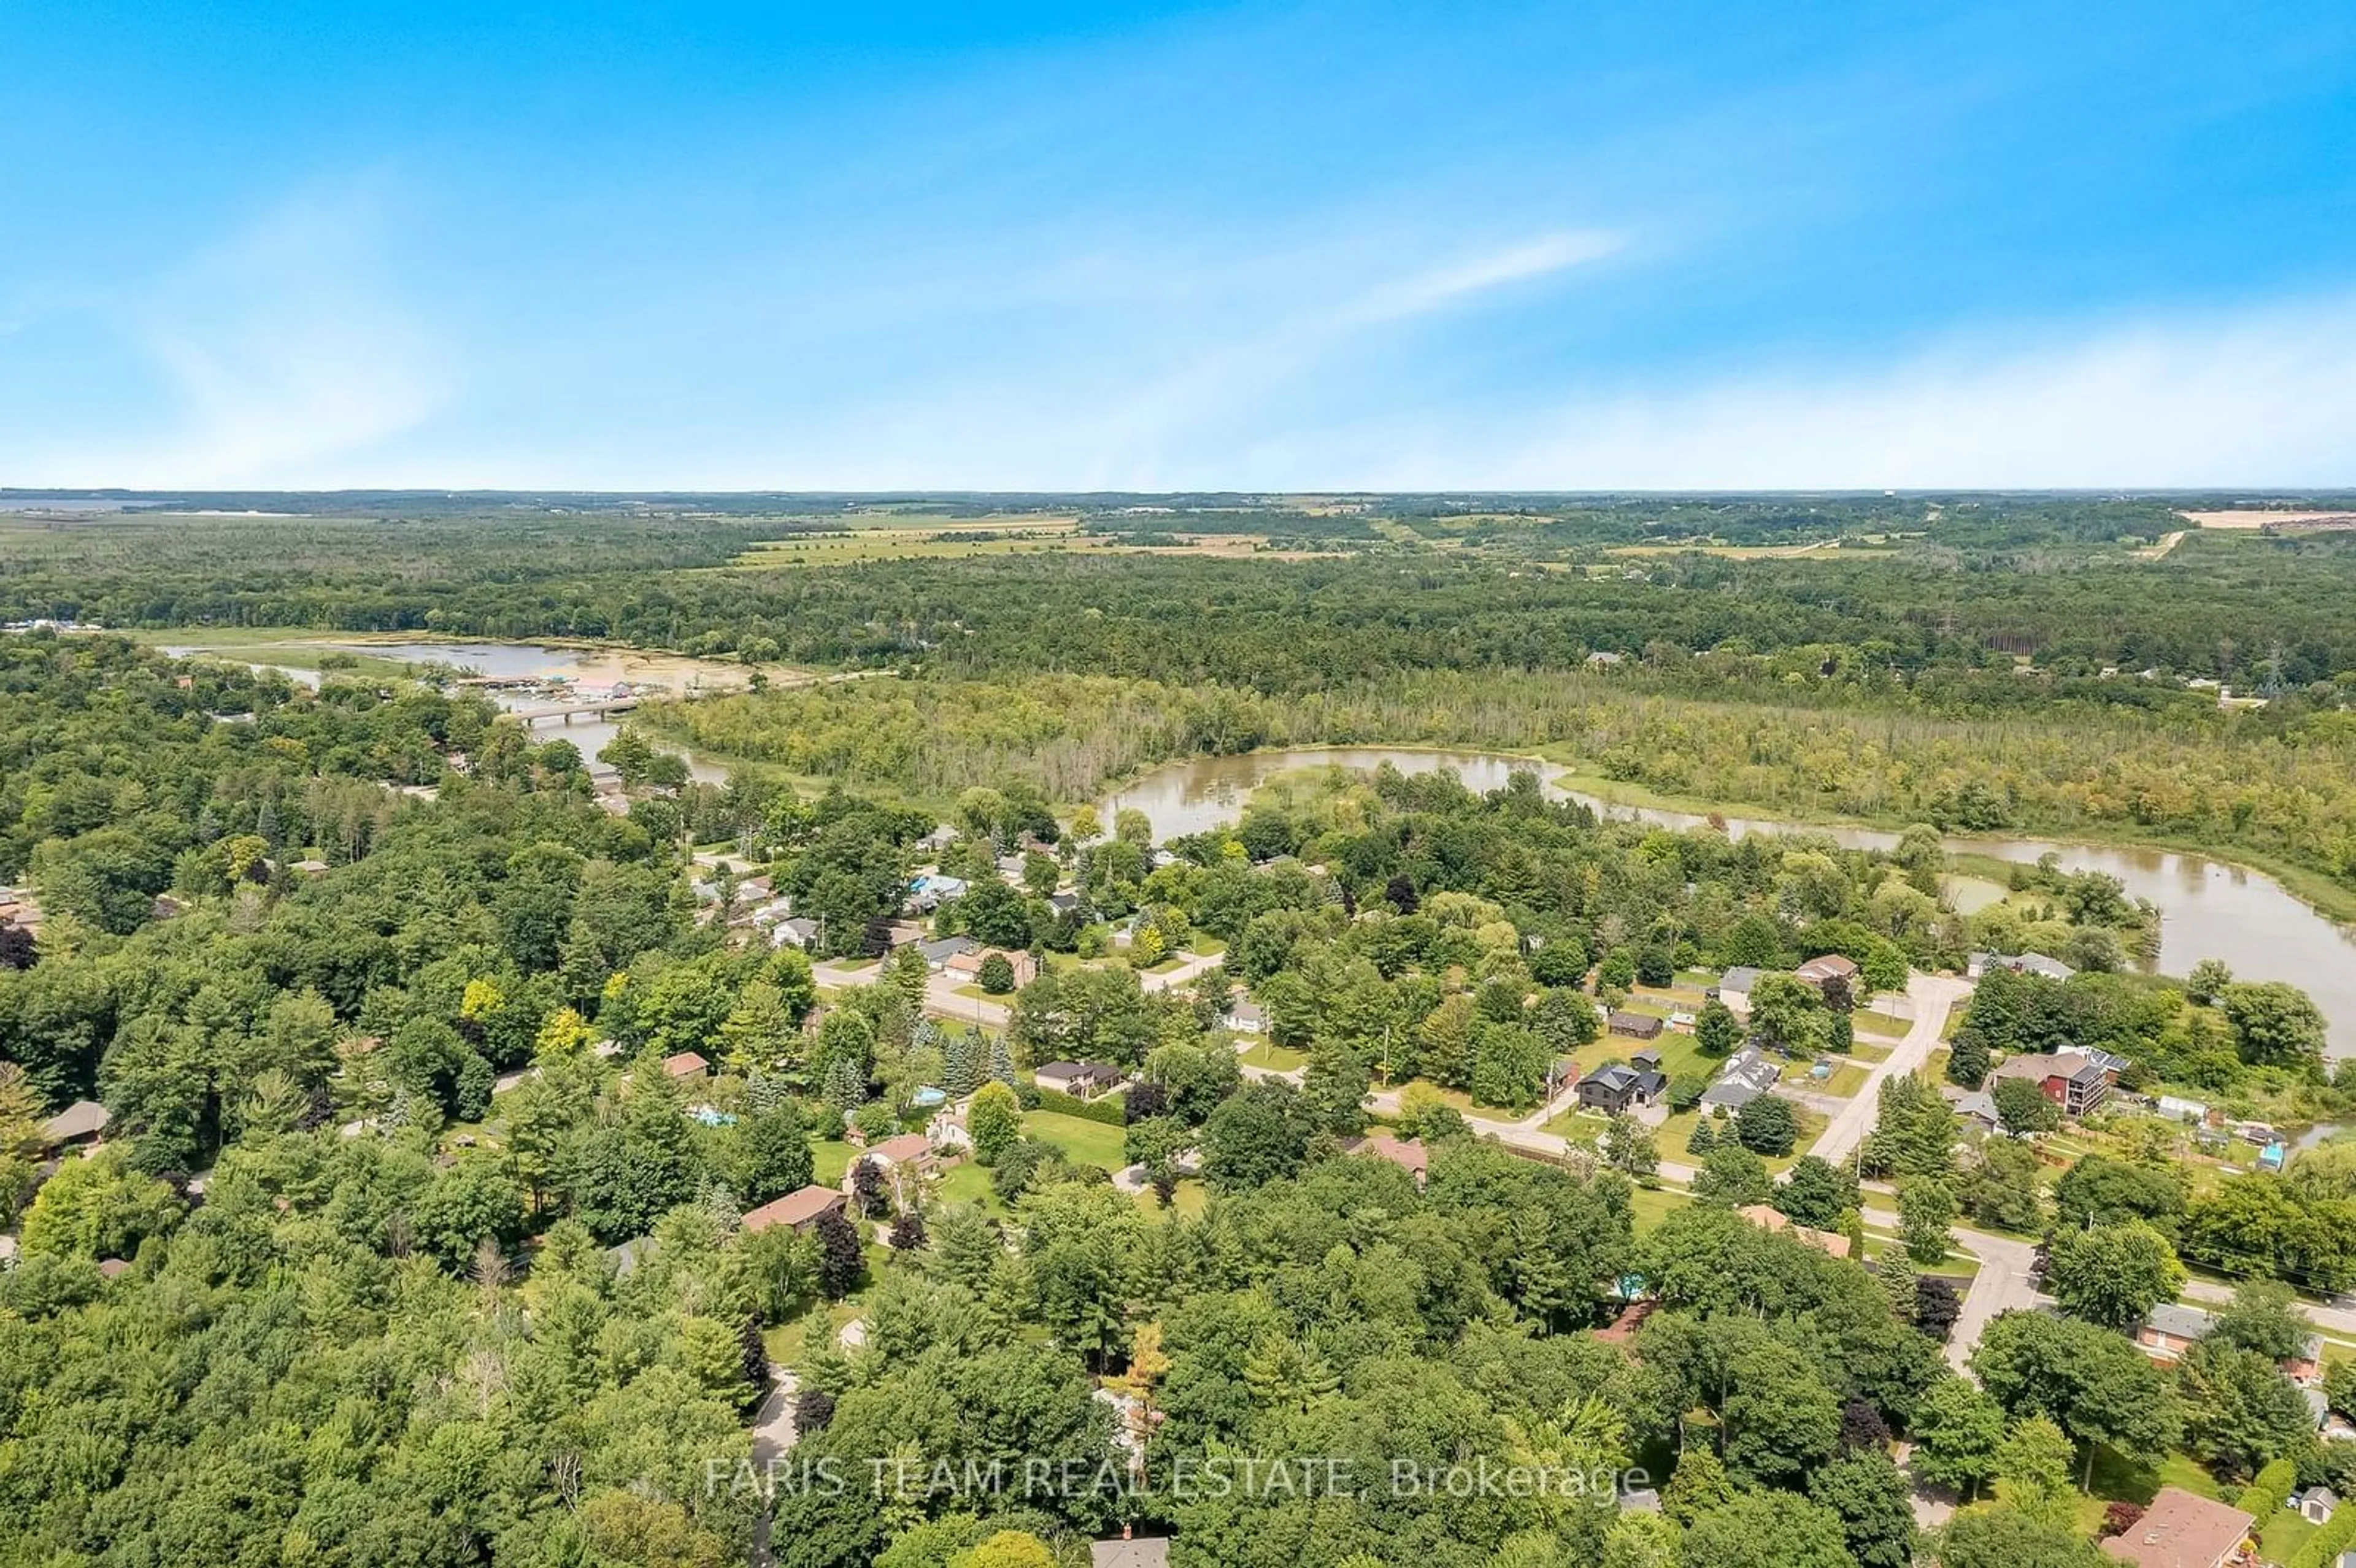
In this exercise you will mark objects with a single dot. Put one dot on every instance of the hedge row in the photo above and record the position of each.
(2324, 1547)
(2268, 1491)
(1106, 1108)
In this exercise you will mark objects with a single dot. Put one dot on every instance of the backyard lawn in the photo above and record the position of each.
(1191, 1199)
(1846, 1080)
(969, 1182)
(1671, 1136)
(1650, 1205)
(1083, 1142)
(1268, 1054)
(1680, 1053)
(829, 1158)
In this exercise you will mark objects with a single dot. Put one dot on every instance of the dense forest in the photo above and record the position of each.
(2276, 789)
(1951, 596)
(446, 1089)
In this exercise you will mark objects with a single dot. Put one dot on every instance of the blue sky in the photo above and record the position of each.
(1552, 246)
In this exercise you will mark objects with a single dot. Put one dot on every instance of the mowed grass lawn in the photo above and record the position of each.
(1083, 1142)
(1188, 1202)
(1672, 1134)
(1648, 1206)
(1276, 1058)
(830, 1157)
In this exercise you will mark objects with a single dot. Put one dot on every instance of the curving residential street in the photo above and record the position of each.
(1935, 996)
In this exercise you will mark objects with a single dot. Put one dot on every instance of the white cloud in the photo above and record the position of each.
(1450, 284)
(282, 353)
(2259, 397)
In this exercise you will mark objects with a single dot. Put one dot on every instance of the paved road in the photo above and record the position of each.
(2340, 1321)
(2002, 1284)
(943, 999)
(1933, 995)
(1186, 970)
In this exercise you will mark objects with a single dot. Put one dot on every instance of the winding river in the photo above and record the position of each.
(2209, 908)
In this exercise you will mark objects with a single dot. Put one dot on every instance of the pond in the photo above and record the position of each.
(2209, 908)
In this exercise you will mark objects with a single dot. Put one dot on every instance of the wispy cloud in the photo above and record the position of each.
(1457, 281)
(2261, 396)
(281, 354)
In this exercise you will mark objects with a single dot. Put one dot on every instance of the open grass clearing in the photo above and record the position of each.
(1274, 1058)
(1188, 1201)
(1083, 1142)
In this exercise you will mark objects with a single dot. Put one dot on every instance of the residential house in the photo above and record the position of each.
(1974, 1105)
(907, 1149)
(1080, 1079)
(797, 1211)
(1748, 1073)
(2182, 1529)
(1247, 1016)
(1131, 1551)
(1978, 965)
(1819, 972)
(18, 907)
(966, 966)
(1064, 903)
(930, 891)
(1775, 1221)
(902, 1159)
(1734, 987)
(800, 932)
(2170, 1329)
(1615, 1087)
(938, 954)
(79, 1125)
(2077, 1081)
(685, 1064)
(1637, 1026)
(1408, 1153)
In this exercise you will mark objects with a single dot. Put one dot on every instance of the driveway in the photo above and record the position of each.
(1188, 967)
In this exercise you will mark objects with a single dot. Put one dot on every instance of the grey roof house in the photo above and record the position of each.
(1747, 1074)
(939, 952)
(1615, 1087)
